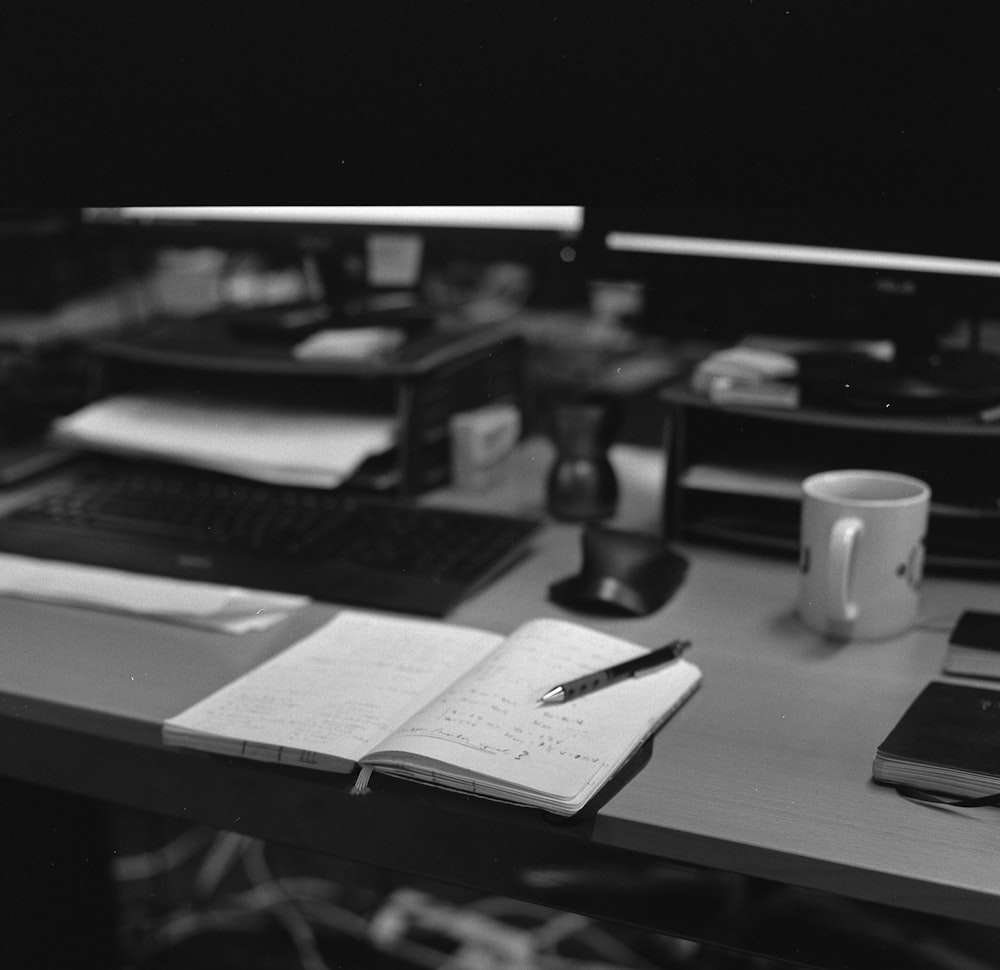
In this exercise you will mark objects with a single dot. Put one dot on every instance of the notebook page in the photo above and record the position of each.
(331, 696)
(491, 725)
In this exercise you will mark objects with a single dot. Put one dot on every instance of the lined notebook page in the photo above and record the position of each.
(330, 697)
(491, 725)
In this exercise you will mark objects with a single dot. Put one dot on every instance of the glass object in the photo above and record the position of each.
(582, 485)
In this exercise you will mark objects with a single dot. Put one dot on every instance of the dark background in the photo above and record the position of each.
(724, 102)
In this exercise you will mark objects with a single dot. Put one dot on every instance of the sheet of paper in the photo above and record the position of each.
(355, 343)
(771, 481)
(265, 442)
(189, 603)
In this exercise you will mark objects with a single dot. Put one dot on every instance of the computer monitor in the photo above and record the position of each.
(908, 277)
(369, 247)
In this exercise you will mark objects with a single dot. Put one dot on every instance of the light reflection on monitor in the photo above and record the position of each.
(545, 218)
(666, 244)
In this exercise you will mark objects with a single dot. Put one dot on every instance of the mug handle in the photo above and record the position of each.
(843, 538)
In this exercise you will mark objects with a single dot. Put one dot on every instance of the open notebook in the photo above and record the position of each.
(447, 705)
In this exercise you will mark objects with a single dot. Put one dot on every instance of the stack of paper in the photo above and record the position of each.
(206, 605)
(350, 343)
(264, 442)
(748, 376)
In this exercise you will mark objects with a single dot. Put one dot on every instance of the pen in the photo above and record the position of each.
(611, 675)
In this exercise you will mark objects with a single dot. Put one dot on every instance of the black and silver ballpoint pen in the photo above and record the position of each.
(611, 675)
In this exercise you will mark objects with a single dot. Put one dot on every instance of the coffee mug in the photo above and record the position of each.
(861, 552)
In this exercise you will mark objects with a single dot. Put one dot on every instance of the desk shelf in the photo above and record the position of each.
(733, 473)
(421, 384)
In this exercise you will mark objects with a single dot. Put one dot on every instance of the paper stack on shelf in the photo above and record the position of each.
(264, 442)
(749, 376)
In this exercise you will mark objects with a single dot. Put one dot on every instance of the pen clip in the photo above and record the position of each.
(679, 646)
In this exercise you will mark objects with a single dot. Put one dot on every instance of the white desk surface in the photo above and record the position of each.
(766, 771)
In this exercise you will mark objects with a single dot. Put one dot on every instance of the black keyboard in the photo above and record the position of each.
(330, 545)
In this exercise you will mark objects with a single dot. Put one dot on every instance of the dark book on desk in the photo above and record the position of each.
(450, 706)
(947, 741)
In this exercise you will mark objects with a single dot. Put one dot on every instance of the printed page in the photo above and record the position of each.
(330, 697)
(491, 725)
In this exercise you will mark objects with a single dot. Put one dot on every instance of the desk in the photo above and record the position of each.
(765, 773)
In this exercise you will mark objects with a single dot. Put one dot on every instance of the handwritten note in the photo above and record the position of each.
(340, 690)
(490, 721)
(443, 704)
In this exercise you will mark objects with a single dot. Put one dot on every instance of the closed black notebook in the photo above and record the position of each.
(974, 646)
(948, 741)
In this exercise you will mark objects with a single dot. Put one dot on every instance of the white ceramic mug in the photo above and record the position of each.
(861, 552)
